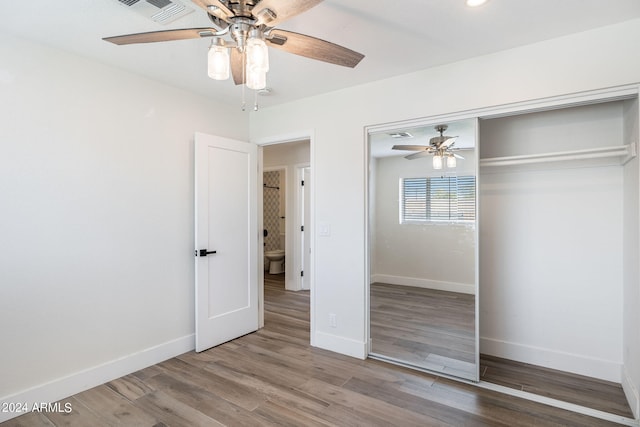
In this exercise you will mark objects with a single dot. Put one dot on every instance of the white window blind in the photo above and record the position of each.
(448, 198)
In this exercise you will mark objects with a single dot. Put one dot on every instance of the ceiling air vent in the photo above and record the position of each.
(160, 11)
(400, 135)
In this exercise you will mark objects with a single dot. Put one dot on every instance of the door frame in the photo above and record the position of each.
(301, 236)
(301, 135)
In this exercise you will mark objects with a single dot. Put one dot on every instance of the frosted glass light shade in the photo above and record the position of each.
(437, 161)
(257, 54)
(256, 78)
(218, 62)
(451, 161)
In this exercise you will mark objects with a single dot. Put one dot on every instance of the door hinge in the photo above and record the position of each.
(302, 228)
(302, 183)
(302, 274)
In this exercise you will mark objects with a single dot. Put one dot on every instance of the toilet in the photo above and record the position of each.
(276, 261)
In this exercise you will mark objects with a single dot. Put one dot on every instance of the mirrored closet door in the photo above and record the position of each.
(423, 256)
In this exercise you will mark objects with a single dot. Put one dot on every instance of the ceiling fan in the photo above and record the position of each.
(441, 147)
(241, 31)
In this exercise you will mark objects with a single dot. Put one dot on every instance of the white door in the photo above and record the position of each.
(306, 233)
(226, 239)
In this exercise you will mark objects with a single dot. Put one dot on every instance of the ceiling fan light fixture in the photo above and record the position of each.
(437, 162)
(218, 60)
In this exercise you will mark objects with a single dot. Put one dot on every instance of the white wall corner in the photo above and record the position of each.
(631, 392)
(84, 380)
(464, 288)
(342, 345)
(596, 368)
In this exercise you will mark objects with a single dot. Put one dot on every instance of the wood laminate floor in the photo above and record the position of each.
(411, 324)
(584, 391)
(428, 328)
(274, 378)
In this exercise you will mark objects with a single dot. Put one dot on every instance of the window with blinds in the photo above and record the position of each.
(448, 198)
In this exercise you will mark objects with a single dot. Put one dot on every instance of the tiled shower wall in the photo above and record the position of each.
(271, 208)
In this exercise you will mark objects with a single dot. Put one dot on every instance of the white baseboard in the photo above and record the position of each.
(464, 288)
(83, 380)
(341, 345)
(631, 392)
(548, 358)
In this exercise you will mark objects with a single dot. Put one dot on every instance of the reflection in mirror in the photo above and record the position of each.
(423, 257)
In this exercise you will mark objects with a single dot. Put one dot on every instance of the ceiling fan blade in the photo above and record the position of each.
(417, 155)
(410, 147)
(449, 141)
(215, 8)
(274, 12)
(313, 48)
(162, 36)
(237, 69)
(442, 141)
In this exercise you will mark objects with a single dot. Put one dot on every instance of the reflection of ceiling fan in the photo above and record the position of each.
(244, 28)
(440, 147)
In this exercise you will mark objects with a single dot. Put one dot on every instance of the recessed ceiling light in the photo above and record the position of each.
(475, 3)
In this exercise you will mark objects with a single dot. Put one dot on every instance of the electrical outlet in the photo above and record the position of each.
(333, 321)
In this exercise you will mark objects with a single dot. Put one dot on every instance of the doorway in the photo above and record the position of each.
(287, 219)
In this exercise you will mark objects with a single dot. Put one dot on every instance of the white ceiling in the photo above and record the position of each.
(396, 37)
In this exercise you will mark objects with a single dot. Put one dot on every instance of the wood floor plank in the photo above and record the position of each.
(113, 408)
(78, 416)
(172, 412)
(281, 415)
(580, 390)
(205, 382)
(30, 419)
(381, 410)
(500, 408)
(288, 396)
(426, 407)
(130, 386)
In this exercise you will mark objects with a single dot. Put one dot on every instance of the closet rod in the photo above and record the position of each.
(628, 151)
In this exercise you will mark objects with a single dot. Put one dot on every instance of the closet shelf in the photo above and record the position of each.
(624, 152)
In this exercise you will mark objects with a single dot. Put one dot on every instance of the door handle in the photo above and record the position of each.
(203, 252)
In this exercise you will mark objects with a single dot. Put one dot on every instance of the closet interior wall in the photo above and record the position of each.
(553, 240)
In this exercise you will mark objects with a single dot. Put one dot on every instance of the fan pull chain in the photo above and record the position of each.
(255, 100)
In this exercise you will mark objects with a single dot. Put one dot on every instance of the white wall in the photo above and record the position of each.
(96, 246)
(551, 243)
(561, 66)
(289, 156)
(436, 256)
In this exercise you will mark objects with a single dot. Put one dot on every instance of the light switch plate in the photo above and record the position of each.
(324, 229)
